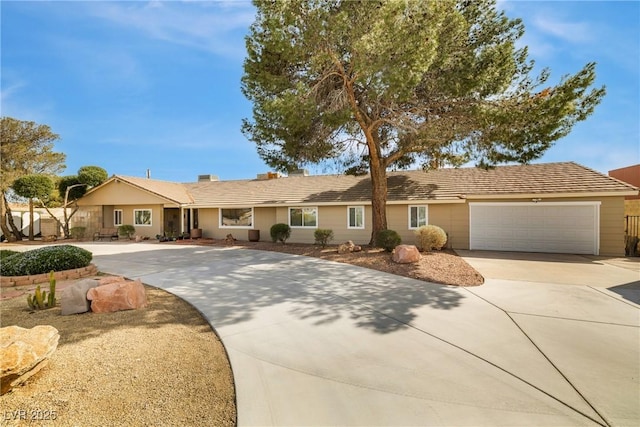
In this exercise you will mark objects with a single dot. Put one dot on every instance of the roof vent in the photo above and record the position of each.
(299, 172)
(207, 178)
(268, 175)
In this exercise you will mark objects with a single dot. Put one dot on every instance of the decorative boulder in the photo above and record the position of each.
(74, 298)
(24, 352)
(348, 247)
(405, 254)
(110, 279)
(117, 296)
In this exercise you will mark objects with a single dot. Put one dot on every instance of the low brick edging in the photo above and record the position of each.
(76, 273)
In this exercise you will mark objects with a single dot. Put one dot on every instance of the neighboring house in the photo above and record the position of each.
(555, 207)
(630, 175)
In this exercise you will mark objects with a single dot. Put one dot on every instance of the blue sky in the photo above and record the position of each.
(131, 86)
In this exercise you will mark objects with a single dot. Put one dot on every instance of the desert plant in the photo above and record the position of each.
(388, 239)
(323, 236)
(46, 259)
(430, 237)
(126, 230)
(77, 232)
(280, 232)
(41, 300)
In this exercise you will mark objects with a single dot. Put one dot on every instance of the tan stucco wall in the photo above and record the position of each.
(157, 219)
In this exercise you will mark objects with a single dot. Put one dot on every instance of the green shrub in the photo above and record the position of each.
(280, 232)
(388, 239)
(43, 260)
(6, 253)
(323, 236)
(430, 237)
(126, 230)
(77, 232)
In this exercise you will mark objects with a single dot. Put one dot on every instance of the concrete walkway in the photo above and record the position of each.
(313, 342)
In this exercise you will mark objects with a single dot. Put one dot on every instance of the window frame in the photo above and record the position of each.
(426, 216)
(236, 226)
(303, 208)
(115, 217)
(355, 227)
(136, 224)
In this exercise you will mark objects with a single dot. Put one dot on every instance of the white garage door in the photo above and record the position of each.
(535, 227)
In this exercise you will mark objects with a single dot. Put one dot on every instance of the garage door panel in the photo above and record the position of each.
(535, 227)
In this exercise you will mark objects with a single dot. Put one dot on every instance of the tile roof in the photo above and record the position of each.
(172, 191)
(441, 184)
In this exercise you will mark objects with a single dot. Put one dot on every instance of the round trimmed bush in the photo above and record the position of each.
(431, 237)
(43, 260)
(280, 232)
(126, 230)
(388, 239)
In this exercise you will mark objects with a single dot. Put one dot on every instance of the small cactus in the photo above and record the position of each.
(51, 300)
(31, 301)
(41, 299)
(38, 298)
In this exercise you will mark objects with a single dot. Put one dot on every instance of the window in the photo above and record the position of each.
(142, 217)
(117, 217)
(417, 216)
(242, 217)
(303, 217)
(355, 217)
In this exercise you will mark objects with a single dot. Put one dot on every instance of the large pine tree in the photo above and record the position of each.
(388, 83)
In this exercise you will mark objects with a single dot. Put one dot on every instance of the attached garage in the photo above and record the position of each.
(554, 227)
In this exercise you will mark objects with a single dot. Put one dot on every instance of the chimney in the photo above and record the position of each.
(299, 172)
(208, 178)
(148, 173)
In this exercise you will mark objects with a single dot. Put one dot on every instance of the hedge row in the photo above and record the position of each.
(44, 260)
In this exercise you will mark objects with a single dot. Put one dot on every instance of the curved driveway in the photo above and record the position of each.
(313, 342)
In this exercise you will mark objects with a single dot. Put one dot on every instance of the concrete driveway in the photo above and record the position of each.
(313, 342)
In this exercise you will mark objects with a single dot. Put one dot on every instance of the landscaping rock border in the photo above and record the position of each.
(76, 273)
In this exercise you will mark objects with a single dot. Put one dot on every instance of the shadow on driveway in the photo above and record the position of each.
(235, 287)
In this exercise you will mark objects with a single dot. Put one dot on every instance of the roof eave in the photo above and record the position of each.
(552, 195)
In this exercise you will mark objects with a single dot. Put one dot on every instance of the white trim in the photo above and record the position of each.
(426, 216)
(349, 217)
(303, 209)
(247, 227)
(595, 204)
(115, 223)
(150, 217)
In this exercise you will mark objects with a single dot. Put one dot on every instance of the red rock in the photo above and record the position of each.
(117, 296)
(405, 254)
(110, 279)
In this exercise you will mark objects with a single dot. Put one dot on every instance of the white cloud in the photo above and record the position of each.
(208, 26)
(573, 32)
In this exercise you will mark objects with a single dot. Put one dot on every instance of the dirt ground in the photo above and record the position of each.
(161, 365)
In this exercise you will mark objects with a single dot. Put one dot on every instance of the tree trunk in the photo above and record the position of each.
(3, 221)
(31, 219)
(378, 199)
(17, 234)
